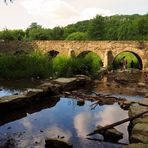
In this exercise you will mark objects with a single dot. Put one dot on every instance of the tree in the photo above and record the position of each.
(77, 36)
(96, 28)
(57, 33)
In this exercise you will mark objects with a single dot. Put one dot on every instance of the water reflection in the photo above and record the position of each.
(66, 119)
(111, 115)
(83, 123)
(8, 88)
(130, 90)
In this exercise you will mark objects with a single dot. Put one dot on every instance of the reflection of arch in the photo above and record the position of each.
(140, 64)
(53, 53)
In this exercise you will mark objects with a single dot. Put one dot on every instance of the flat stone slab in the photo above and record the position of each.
(6, 99)
(65, 80)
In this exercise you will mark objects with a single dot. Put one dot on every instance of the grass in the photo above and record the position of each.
(38, 65)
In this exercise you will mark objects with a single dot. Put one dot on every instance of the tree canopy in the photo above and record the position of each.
(117, 27)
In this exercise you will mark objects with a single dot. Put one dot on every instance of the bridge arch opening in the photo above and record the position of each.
(128, 59)
(96, 59)
(52, 54)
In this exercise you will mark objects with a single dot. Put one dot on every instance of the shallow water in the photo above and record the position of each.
(8, 88)
(66, 119)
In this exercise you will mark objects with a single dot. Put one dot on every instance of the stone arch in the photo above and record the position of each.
(52, 53)
(140, 63)
(83, 53)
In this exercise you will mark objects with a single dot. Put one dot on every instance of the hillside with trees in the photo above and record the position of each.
(117, 27)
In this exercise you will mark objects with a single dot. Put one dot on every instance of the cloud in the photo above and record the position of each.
(27, 124)
(112, 114)
(82, 123)
(57, 9)
(59, 12)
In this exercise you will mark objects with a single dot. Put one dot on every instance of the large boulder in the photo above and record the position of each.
(138, 128)
(136, 109)
(139, 133)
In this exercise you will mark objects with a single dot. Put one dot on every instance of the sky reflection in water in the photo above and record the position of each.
(65, 119)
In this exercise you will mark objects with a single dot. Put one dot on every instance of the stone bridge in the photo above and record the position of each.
(107, 50)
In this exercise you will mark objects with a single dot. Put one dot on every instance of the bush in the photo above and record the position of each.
(24, 66)
(64, 66)
(37, 65)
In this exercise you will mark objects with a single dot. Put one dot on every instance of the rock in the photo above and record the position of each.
(76, 82)
(11, 99)
(121, 81)
(139, 133)
(51, 88)
(146, 96)
(80, 102)
(63, 81)
(111, 134)
(138, 128)
(56, 143)
(136, 145)
(144, 101)
(140, 84)
(136, 109)
(67, 93)
(125, 104)
(34, 92)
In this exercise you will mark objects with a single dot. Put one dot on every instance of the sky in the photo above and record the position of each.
(51, 13)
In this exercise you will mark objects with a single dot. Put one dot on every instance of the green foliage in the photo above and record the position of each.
(129, 57)
(81, 26)
(12, 34)
(57, 33)
(96, 28)
(117, 27)
(24, 66)
(64, 66)
(38, 65)
(77, 36)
